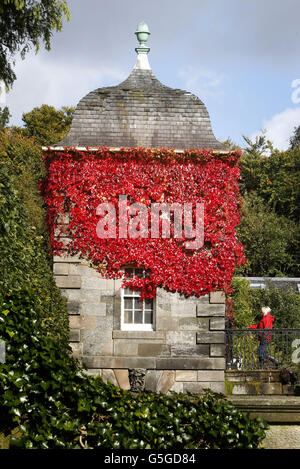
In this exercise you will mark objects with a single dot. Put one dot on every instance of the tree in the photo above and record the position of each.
(270, 240)
(273, 175)
(295, 139)
(252, 163)
(23, 24)
(4, 117)
(48, 125)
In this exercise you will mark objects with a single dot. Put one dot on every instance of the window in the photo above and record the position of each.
(136, 314)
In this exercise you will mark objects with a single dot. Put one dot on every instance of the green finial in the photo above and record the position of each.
(142, 34)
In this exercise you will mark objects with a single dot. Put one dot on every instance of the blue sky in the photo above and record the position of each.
(240, 57)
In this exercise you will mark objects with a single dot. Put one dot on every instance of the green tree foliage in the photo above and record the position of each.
(244, 313)
(24, 24)
(269, 227)
(24, 250)
(273, 175)
(270, 240)
(4, 117)
(284, 303)
(48, 125)
(295, 139)
(252, 163)
(24, 160)
(25, 261)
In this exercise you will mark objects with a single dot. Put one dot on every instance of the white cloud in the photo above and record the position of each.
(46, 82)
(280, 127)
(202, 82)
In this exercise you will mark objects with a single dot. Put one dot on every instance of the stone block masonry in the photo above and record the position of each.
(185, 352)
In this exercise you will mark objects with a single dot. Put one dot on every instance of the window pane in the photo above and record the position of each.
(139, 273)
(130, 292)
(138, 317)
(138, 304)
(148, 304)
(129, 271)
(148, 317)
(128, 317)
(136, 293)
(128, 303)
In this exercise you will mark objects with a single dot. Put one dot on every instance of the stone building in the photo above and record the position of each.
(177, 342)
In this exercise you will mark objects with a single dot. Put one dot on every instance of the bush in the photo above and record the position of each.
(23, 159)
(243, 311)
(25, 260)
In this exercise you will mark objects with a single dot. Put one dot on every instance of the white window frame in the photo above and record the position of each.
(135, 327)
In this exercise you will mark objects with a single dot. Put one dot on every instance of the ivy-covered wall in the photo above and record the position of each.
(77, 182)
(185, 351)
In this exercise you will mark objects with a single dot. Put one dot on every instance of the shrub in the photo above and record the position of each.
(23, 159)
(243, 311)
(25, 261)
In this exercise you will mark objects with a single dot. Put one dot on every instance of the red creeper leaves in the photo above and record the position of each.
(77, 182)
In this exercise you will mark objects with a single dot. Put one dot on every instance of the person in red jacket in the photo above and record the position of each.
(266, 322)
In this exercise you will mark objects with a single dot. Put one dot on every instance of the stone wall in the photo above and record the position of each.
(282, 413)
(256, 382)
(185, 352)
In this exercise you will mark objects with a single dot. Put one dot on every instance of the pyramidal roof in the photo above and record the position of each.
(141, 112)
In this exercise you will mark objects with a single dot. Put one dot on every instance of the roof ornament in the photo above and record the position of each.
(142, 33)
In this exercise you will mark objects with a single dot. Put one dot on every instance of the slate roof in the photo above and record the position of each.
(141, 112)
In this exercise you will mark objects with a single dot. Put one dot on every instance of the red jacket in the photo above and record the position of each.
(265, 323)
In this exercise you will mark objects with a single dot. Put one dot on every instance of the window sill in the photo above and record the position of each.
(153, 335)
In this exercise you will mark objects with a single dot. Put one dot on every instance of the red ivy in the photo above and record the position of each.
(77, 182)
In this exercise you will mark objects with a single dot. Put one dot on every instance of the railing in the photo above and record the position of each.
(250, 349)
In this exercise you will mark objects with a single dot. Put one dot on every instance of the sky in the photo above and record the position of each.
(240, 57)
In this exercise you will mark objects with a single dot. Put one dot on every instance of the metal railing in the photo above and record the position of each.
(251, 349)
